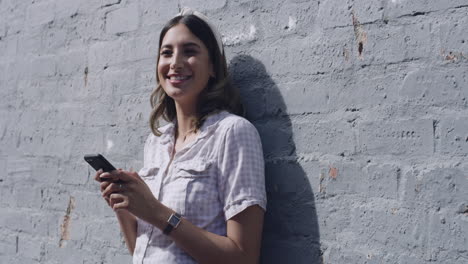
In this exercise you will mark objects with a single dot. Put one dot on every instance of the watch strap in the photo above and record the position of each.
(172, 223)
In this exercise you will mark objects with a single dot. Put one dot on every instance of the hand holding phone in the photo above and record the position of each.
(98, 162)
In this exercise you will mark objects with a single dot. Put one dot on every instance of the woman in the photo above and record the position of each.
(200, 196)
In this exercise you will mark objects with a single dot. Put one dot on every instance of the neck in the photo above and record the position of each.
(186, 119)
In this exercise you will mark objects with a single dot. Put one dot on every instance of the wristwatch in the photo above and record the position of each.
(172, 223)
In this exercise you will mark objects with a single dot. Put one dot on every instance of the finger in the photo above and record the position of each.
(113, 188)
(96, 176)
(121, 204)
(115, 198)
(106, 176)
(121, 175)
(104, 185)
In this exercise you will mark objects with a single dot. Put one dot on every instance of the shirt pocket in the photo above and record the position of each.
(201, 199)
(193, 169)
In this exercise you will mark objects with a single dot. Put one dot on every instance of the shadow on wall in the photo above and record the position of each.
(291, 231)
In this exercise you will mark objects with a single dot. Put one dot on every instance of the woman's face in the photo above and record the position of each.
(184, 65)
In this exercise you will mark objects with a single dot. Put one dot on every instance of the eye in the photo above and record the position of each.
(191, 51)
(166, 52)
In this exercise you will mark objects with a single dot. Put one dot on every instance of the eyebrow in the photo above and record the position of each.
(189, 44)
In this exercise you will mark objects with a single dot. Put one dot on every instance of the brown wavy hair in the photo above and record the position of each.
(218, 95)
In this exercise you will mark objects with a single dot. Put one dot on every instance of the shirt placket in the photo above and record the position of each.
(157, 189)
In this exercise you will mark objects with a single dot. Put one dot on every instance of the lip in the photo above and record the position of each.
(178, 82)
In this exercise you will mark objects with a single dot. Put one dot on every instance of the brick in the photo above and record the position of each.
(103, 54)
(69, 253)
(454, 136)
(47, 225)
(344, 178)
(8, 245)
(145, 79)
(324, 50)
(122, 20)
(203, 5)
(118, 82)
(395, 44)
(45, 66)
(90, 204)
(436, 87)
(71, 63)
(40, 13)
(26, 243)
(9, 46)
(367, 12)
(440, 187)
(453, 36)
(405, 137)
(112, 237)
(153, 16)
(27, 197)
(74, 164)
(66, 9)
(362, 90)
(281, 135)
(384, 181)
(122, 141)
(396, 8)
(133, 108)
(336, 216)
(16, 220)
(55, 199)
(144, 47)
(333, 14)
(299, 97)
(19, 169)
(333, 137)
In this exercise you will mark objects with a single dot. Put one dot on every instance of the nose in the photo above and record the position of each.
(177, 60)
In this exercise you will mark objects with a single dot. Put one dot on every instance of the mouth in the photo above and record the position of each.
(177, 79)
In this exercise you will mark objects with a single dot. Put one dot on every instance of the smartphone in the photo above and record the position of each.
(97, 161)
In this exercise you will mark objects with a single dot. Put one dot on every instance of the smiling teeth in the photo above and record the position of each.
(178, 78)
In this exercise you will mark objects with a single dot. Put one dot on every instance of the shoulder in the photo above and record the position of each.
(234, 123)
(234, 126)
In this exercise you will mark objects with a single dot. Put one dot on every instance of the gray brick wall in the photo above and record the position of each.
(361, 105)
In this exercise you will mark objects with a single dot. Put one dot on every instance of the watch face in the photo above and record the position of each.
(174, 220)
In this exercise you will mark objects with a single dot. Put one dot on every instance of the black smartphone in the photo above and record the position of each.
(97, 161)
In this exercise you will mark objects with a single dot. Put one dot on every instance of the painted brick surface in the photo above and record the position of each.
(362, 107)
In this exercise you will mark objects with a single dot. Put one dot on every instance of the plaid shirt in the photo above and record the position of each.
(210, 180)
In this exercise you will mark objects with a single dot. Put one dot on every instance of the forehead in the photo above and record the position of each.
(179, 34)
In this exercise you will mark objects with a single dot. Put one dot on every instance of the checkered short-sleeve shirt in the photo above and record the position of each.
(210, 180)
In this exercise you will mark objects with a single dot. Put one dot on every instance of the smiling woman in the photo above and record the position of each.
(200, 196)
(184, 66)
(199, 50)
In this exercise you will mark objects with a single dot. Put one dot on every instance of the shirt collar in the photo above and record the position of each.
(208, 126)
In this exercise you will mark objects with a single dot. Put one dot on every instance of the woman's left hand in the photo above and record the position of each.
(128, 191)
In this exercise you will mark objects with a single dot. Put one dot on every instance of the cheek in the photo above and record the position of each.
(161, 70)
(202, 66)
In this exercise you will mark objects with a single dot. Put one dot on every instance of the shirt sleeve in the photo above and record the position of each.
(242, 170)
